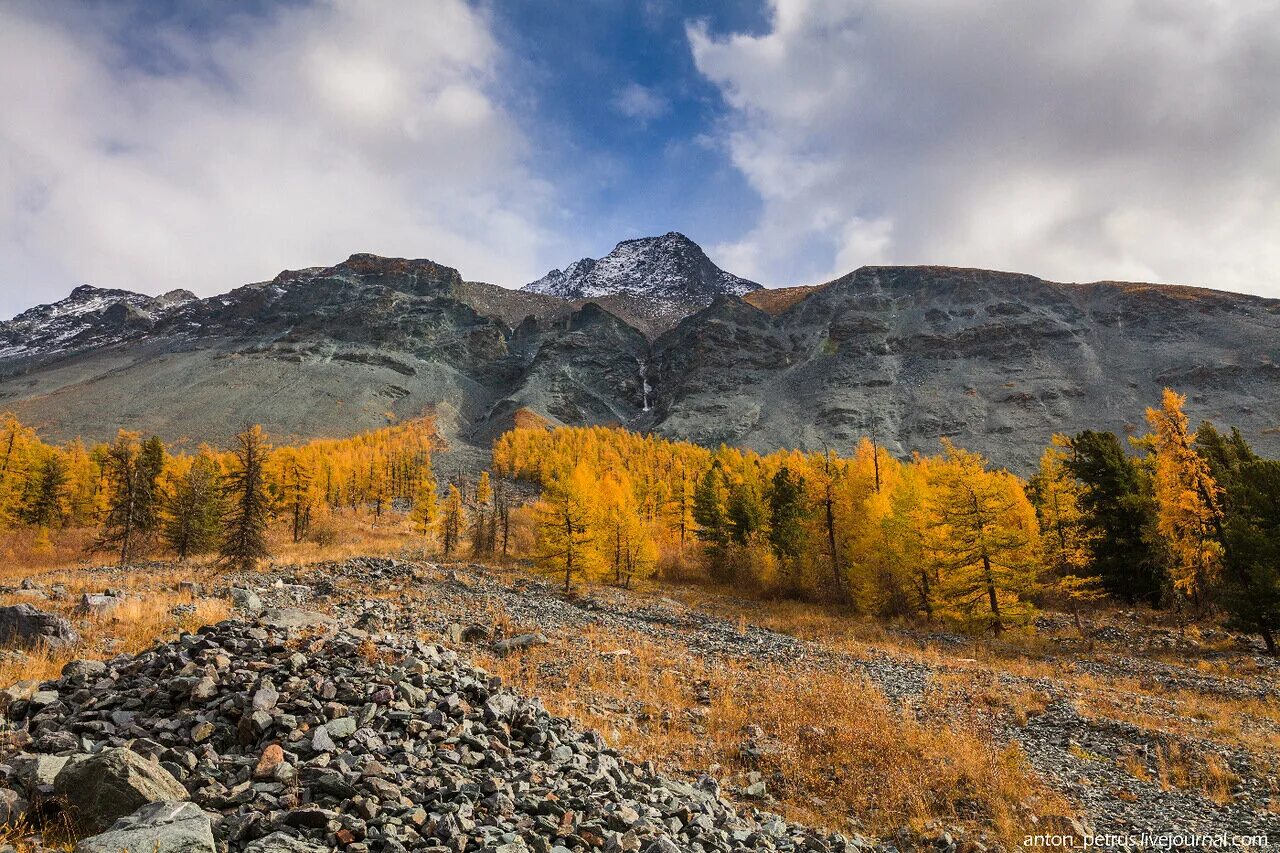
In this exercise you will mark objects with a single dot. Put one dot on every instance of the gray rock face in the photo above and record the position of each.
(28, 626)
(112, 784)
(161, 827)
(996, 361)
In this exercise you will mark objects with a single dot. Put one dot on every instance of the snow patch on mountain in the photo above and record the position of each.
(671, 269)
(90, 316)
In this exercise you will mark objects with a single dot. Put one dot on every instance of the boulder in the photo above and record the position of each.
(36, 773)
(295, 618)
(97, 605)
(518, 643)
(13, 808)
(17, 692)
(28, 626)
(246, 600)
(160, 827)
(84, 670)
(279, 842)
(100, 789)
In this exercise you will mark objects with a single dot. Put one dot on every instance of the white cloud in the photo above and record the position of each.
(1098, 139)
(292, 140)
(640, 103)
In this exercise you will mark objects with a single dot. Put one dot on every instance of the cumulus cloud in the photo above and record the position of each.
(1077, 141)
(287, 140)
(640, 103)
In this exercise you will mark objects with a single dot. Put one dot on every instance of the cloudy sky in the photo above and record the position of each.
(153, 145)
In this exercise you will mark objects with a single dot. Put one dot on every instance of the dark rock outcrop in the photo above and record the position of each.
(28, 626)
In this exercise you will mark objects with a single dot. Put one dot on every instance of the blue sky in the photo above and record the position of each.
(153, 144)
(620, 110)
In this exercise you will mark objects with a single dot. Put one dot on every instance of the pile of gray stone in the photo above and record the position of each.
(289, 733)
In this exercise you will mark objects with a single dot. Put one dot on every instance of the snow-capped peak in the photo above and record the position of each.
(90, 314)
(671, 269)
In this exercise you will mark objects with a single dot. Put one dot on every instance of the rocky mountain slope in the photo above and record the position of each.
(996, 361)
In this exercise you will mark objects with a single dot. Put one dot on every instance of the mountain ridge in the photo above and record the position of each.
(996, 361)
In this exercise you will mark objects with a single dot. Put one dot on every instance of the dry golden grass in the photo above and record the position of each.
(778, 299)
(145, 616)
(833, 744)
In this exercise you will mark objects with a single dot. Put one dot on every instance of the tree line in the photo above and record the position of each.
(142, 497)
(1172, 518)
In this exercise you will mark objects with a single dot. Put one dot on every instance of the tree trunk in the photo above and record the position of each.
(837, 574)
(1269, 639)
(997, 626)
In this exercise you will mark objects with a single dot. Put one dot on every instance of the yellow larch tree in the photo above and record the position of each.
(565, 524)
(1188, 501)
(984, 541)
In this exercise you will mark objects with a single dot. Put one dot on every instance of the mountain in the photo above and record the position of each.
(90, 316)
(996, 361)
(660, 278)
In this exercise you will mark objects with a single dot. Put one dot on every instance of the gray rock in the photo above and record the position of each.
(97, 605)
(16, 691)
(519, 643)
(246, 600)
(342, 727)
(321, 741)
(112, 784)
(159, 827)
(13, 807)
(84, 669)
(279, 842)
(293, 618)
(29, 627)
(36, 773)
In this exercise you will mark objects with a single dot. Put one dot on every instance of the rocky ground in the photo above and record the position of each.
(341, 711)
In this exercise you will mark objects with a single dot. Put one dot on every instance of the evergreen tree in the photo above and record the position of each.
(249, 502)
(46, 502)
(193, 510)
(787, 513)
(131, 469)
(1117, 513)
(482, 530)
(1250, 590)
(711, 514)
(747, 512)
(1223, 453)
(451, 521)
